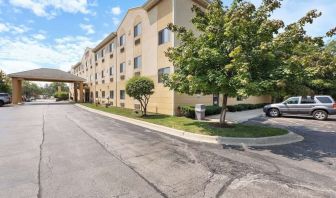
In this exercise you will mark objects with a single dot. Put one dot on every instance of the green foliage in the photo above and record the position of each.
(50, 89)
(140, 88)
(5, 83)
(240, 51)
(30, 89)
(61, 96)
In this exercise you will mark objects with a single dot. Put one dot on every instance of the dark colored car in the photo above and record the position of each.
(4, 99)
(318, 106)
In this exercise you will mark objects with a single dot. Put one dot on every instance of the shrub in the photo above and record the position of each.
(187, 111)
(232, 108)
(212, 110)
(61, 96)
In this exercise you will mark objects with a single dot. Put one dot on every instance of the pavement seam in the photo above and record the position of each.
(39, 193)
(119, 159)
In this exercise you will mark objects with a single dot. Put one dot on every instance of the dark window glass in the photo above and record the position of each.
(307, 100)
(97, 94)
(111, 71)
(324, 99)
(103, 94)
(137, 30)
(137, 62)
(122, 67)
(162, 72)
(293, 100)
(122, 94)
(164, 36)
(122, 40)
(102, 73)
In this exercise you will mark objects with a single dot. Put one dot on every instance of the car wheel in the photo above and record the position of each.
(1, 103)
(273, 112)
(320, 115)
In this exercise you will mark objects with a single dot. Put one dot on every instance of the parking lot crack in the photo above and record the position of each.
(40, 160)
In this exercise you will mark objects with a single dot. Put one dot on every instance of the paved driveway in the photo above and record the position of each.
(63, 151)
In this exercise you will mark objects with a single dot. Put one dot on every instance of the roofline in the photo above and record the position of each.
(151, 3)
(104, 41)
(76, 65)
(129, 10)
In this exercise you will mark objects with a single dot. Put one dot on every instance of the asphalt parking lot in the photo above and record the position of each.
(64, 151)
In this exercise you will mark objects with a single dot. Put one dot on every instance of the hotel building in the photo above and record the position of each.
(138, 47)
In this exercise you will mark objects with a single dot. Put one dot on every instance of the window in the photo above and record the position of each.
(239, 98)
(96, 76)
(102, 53)
(111, 47)
(97, 94)
(102, 73)
(162, 72)
(324, 99)
(137, 62)
(294, 100)
(164, 36)
(111, 70)
(122, 94)
(122, 40)
(111, 94)
(96, 57)
(122, 67)
(307, 100)
(103, 94)
(137, 30)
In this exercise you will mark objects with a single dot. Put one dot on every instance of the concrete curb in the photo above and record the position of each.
(265, 141)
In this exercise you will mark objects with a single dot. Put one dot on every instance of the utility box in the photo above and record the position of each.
(200, 111)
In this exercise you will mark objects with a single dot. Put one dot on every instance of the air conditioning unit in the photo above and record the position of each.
(137, 41)
(111, 55)
(103, 81)
(122, 50)
(122, 104)
(122, 77)
(137, 106)
(111, 79)
(137, 73)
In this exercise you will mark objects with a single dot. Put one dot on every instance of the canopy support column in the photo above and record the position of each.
(17, 89)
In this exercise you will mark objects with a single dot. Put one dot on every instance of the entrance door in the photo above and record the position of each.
(215, 99)
(87, 95)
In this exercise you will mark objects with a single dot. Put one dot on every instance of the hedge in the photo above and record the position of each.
(61, 96)
(189, 111)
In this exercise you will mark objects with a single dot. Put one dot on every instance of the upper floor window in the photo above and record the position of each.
(122, 67)
(96, 76)
(162, 72)
(137, 62)
(96, 57)
(102, 53)
(111, 70)
(137, 30)
(102, 73)
(111, 47)
(164, 36)
(122, 40)
(103, 94)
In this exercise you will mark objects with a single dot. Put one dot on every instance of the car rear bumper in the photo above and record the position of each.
(332, 112)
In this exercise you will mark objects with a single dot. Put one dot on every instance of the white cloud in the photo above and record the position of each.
(116, 10)
(48, 8)
(7, 27)
(88, 28)
(24, 53)
(39, 37)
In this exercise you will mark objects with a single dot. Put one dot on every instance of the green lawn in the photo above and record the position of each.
(193, 126)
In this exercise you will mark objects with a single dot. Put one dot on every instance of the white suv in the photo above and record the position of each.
(4, 99)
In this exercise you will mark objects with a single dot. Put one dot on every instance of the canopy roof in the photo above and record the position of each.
(46, 74)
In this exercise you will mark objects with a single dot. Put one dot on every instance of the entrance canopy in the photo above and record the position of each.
(46, 74)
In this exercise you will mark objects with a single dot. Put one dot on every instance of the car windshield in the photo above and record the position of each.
(294, 100)
(3, 95)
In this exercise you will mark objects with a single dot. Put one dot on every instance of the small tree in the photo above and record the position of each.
(5, 85)
(140, 88)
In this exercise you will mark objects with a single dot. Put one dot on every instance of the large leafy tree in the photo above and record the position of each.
(30, 89)
(5, 83)
(228, 54)
(140, 88)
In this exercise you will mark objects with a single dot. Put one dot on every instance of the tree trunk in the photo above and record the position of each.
(223, 112)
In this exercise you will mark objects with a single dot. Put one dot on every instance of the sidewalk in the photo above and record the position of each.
(238, 117)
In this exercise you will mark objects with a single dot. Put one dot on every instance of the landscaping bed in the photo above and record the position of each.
(193, 126)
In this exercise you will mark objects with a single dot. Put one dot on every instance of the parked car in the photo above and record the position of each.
(4, 99)
(318, 106)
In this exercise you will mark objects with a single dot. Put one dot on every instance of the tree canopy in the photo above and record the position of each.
(5, 83)
(240, 51)
(140, 88)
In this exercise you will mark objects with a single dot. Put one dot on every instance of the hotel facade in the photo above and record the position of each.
(138, 47)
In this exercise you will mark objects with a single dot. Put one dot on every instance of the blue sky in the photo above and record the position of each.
(54, 33)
